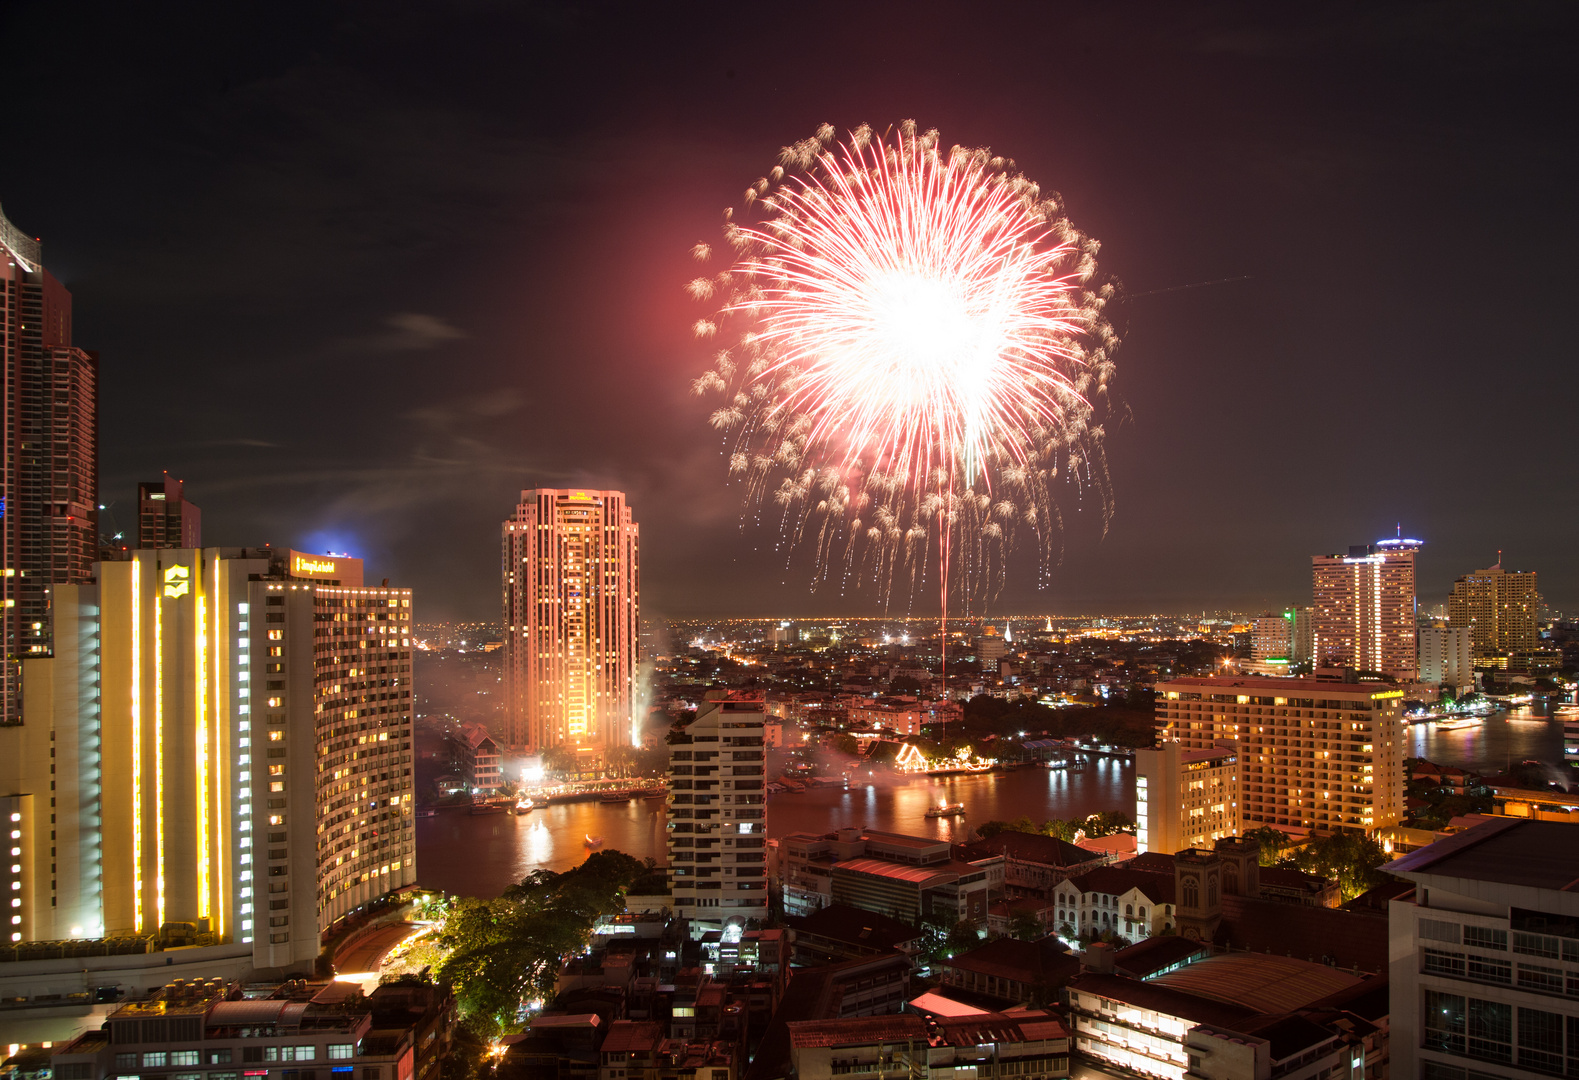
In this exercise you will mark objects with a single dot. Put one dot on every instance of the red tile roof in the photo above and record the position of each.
(857, 1030)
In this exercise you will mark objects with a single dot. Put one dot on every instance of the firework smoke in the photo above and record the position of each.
(916, 355)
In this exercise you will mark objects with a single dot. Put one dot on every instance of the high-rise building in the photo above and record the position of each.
(1364, 608)
(219, 752)
(1185, 798)
(572, 637)
(1271, 636)
(717, 849)
(1302, 643)
(165, 519)
(1484, 954)
(1498, 607)
(49, 476)
(1445, 657)
(1313, 753)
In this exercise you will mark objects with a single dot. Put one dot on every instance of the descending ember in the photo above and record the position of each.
(917, 355)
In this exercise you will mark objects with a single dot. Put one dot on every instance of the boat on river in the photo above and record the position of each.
(949, 810)
(594, 841)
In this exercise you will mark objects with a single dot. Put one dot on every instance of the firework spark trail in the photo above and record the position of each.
(918, 355)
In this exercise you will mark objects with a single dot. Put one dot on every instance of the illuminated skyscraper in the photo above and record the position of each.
(572, 637)
(1498, 607)
(1363, 614)
(49, 475)
(218, 754)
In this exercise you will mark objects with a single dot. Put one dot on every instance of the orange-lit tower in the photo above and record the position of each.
(572, 591)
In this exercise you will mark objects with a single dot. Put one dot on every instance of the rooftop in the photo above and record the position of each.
(1509, 851)
(1167, 1000)
(1279, 685)
(1260, 981)
(998, 1028)
(1118, 880)
(1029, 847)
(1046, 961)
(627, 1035)
(1155, 953)
(857, 1030)
(841, 922)
(1349, 939)
(919, 875)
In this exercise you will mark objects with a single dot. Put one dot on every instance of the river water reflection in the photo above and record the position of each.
(481, 856)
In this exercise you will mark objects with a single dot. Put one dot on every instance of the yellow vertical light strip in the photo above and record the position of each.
(203, 884)
(159, 758)
(137, 747)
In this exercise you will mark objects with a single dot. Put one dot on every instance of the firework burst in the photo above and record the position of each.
(916, 356)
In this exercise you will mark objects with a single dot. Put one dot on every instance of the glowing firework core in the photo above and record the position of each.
(918, 352)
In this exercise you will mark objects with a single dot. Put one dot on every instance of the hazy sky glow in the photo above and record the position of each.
(360, 274)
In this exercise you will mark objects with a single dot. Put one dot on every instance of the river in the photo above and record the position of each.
(481, 856)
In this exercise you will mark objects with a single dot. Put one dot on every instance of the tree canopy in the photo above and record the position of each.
(505, 951)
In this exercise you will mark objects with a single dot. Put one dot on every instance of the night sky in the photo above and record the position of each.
(359, 273)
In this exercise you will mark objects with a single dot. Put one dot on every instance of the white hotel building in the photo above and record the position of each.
(218, 754)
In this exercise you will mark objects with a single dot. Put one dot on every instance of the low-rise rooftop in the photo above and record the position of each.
(1508, 851)
(1260, 981)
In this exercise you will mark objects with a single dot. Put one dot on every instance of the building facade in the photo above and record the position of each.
(717, 812)
(165, 518)
(1185, 798)
(1272, 636)
(1485, 954)
(572, 591)
(1446, 659)
(49, 475)
(1498, 608)
(399, 1033)
(219, 751)
(1363, 611)
(909, 878)
(1313, 753)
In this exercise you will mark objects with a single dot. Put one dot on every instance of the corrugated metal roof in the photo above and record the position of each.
(252, 1013)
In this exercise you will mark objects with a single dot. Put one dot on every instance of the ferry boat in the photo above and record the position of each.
(1452, 723)
(617, 797)
(524, 806)
(427, 811)
(594, 841)
(947, 810)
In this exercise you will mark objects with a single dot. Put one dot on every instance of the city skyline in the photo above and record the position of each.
(565, 231)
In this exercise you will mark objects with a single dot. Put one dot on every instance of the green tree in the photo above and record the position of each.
(1107, 822)
(1352, 859)
(560, 760)
(961, 937)
(1025, 926)
(1273, 844)
(1062, 829)
(505, 951)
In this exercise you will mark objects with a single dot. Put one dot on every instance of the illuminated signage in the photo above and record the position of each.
(177, 581)
(309, 566)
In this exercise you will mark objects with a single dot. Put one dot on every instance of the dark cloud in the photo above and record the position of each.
(361, 273)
